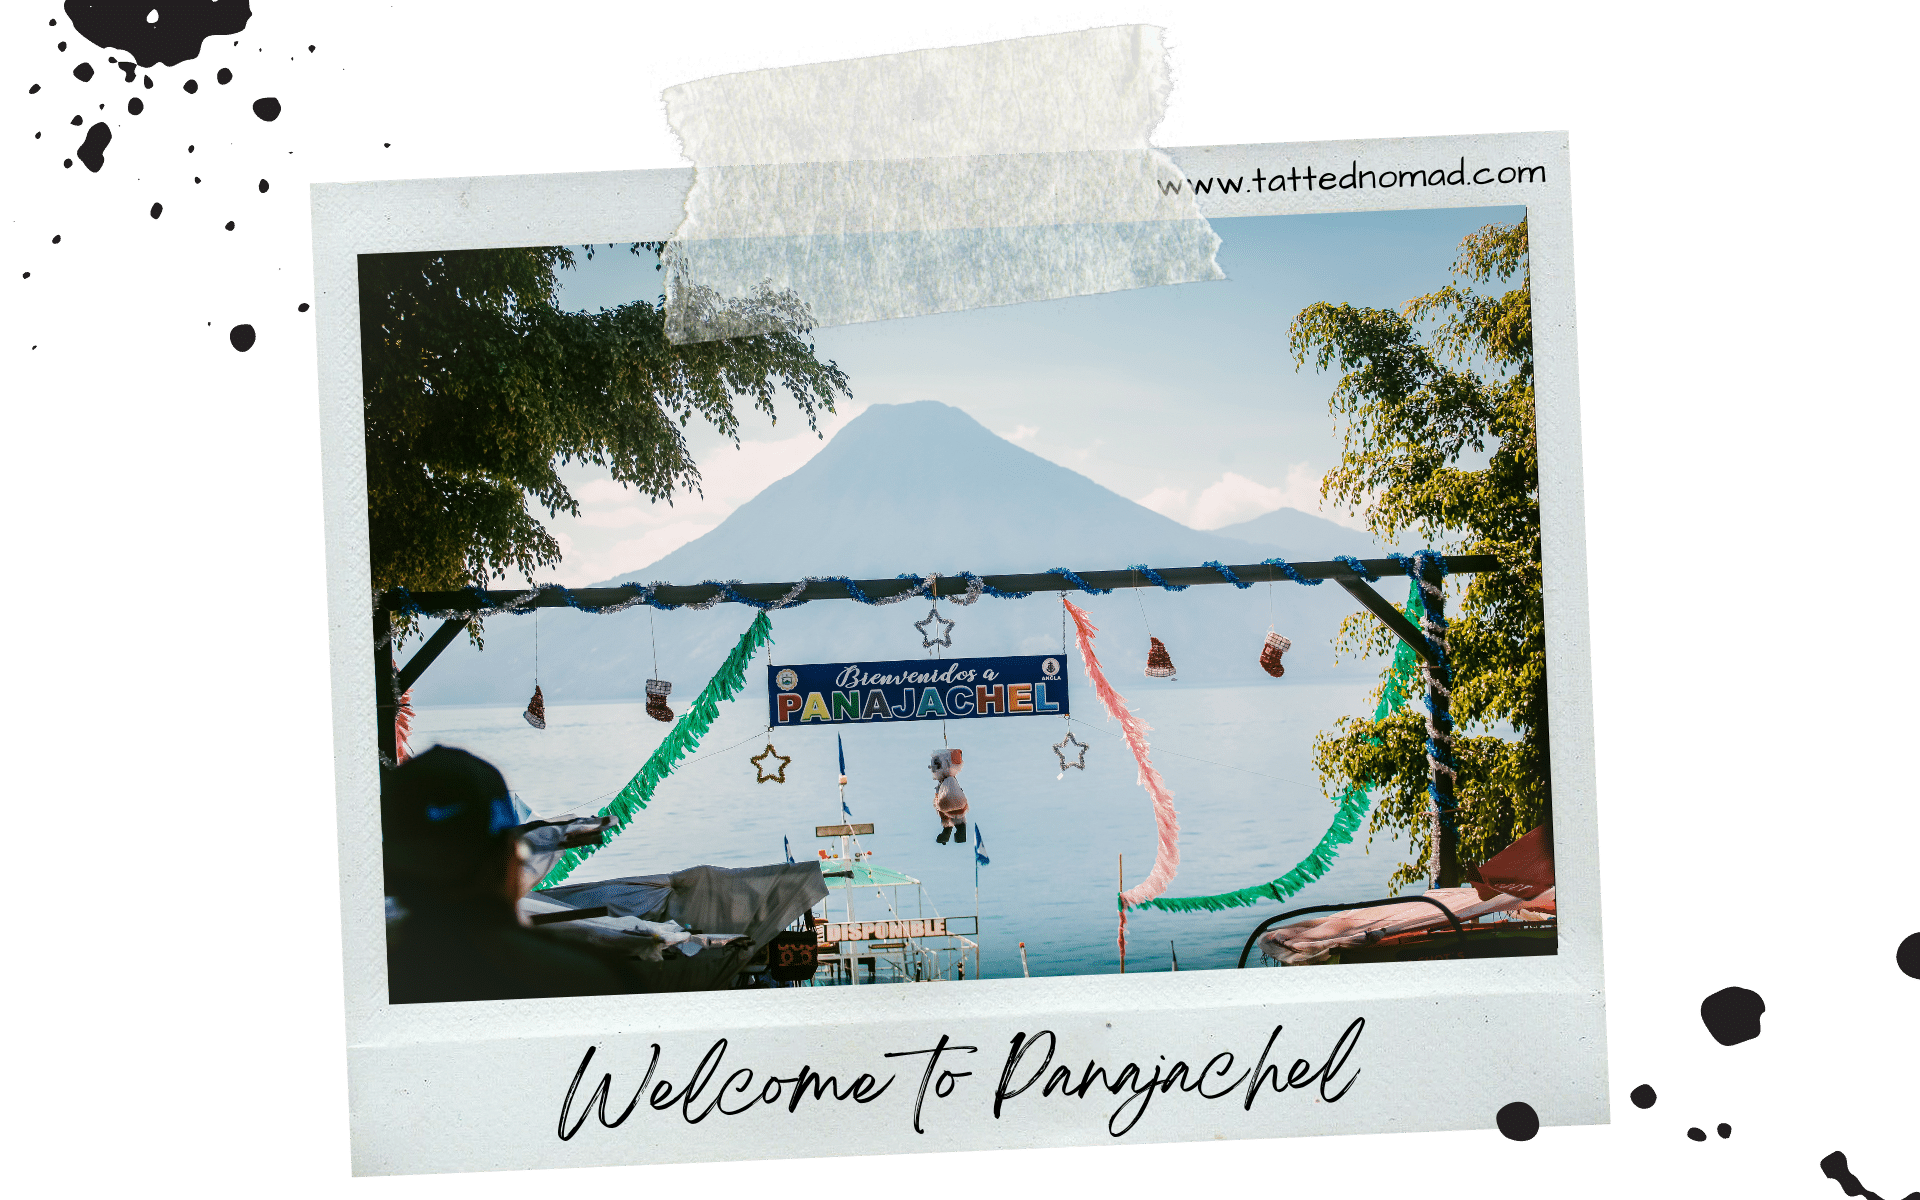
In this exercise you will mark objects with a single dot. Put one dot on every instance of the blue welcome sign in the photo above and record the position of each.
(917, 689)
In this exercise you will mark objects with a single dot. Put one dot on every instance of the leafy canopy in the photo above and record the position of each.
(1424, 394)
(478, 388)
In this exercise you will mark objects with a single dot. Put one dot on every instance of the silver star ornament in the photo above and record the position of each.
(1060, 751)
(933, 615)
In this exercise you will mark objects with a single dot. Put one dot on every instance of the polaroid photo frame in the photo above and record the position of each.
(996, 1062)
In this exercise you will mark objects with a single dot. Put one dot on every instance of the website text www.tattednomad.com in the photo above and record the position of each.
(1296, 180)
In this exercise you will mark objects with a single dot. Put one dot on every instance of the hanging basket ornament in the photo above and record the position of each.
(536, 713)
(657, 690)
(1270, 653)
(1159, 662)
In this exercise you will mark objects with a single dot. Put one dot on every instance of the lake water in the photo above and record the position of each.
(1247, 814)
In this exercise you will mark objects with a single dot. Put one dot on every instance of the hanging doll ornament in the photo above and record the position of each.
(1271, 651)
(1159, 662)
(949, 800)
(657, 691)
(1060, 752)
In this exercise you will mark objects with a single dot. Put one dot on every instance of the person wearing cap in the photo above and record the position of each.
(453, 865)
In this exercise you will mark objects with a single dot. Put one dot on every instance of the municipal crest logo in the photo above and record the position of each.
(787, 679)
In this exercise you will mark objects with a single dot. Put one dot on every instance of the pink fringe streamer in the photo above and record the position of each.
(1166, 857)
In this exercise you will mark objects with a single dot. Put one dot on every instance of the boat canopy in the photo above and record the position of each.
(862, 874)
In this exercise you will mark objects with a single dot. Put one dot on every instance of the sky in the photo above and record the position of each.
(1183, 398)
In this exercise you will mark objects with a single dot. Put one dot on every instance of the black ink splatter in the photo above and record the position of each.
(302, 308)
(128, 68)
(229, 226)
(1642, 1096)
(56, 239)
(63, 47)
(1834, 1167)
(154, 212)
(1518, 1121)
(78, 120)
(224, 77)
(33, 89)
(242, 337)
(93, 151)
(190, 86)
(84, 72)
(1732, 1015)
(146, 81)
(263, 186)
(67, 163)
(1723, 1129)
(174, 38)
(136, 106)
(1907, 957)
(1697, 1134)
(267, 108)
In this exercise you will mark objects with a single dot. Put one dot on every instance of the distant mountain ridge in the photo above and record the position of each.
(915, 488)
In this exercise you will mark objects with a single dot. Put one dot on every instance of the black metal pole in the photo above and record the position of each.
(1443, 864)
(386, 702)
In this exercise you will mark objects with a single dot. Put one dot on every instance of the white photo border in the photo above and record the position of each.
(1444, 1045)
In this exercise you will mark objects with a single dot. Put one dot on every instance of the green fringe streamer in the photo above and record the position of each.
(683, 739)
(1353, 803)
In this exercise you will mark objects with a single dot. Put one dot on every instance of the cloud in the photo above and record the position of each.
(1234, 497)
(1021, 433)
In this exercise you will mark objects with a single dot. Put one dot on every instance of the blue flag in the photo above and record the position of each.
(980, 858)
(788, 846)
(842, 746)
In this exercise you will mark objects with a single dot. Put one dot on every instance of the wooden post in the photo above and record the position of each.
(386, 703)
(1443, 864)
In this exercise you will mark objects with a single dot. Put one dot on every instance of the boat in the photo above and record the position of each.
(897, 937)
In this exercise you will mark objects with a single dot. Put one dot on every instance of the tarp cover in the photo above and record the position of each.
(756, 901)
(1313, 940)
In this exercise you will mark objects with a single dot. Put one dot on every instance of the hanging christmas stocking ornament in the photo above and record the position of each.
(657, 690)
(536, 713)
(1270, 653)
(1159, 662)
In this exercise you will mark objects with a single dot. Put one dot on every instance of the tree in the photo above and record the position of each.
(478, 387)
(1446, 379)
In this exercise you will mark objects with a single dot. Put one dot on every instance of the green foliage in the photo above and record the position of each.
(1424, 394)
(478, 388)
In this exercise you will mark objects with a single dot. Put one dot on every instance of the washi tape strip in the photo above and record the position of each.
(933, 181)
